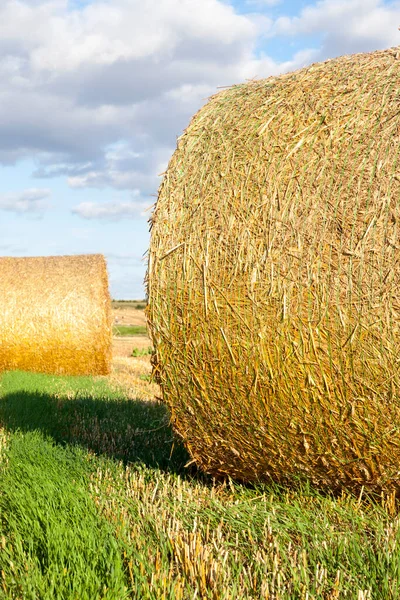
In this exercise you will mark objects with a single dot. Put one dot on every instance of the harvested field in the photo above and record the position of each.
(93, 486)
(128, 315)
(127, 516)
(123, 346)
(130, 372)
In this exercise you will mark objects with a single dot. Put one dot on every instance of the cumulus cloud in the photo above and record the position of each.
(113, 210)
(122, 168)
(346, 26)
(106, 32)
(99, 93)
(72, 80)
(28, 201)
(76, 82)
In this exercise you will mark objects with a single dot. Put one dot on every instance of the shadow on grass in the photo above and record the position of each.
(126, 430)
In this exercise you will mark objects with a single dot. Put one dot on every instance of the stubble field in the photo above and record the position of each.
(96, 502)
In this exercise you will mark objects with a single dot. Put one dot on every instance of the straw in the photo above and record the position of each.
(55, 315)
(274, 276)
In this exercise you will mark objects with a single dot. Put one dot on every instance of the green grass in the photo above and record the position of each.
(130, 330)
(55, 542)
(96, 502)
(142, 351)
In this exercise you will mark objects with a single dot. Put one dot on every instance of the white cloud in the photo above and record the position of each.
(54, 39)
(346, 26)
(112, 211)
(266, 64)
(122, 169)
(104, 32)
(28, 201)
(75, 82)
(100, 94)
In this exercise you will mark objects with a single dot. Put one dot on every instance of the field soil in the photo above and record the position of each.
(123, 345)
(128, 315)
(132, 372)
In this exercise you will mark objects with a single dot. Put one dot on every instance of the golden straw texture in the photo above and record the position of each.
(55, 315)
(274, 277)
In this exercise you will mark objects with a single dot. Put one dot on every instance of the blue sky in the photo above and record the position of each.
(93, 95)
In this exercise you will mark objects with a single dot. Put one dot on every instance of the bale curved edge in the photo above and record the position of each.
(55, 315)
(274, 275)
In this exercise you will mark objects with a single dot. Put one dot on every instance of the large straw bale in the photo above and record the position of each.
(55, 315)
(274, 277)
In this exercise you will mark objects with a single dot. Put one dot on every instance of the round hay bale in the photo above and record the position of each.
(274, 277)
(55, 315)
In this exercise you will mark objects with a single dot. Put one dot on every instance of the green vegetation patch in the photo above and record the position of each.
(130, 330)
(55, 543)
(142, 351)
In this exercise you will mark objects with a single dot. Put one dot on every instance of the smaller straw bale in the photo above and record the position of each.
(55, 315)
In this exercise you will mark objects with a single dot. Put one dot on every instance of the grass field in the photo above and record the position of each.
(129, 330)
(96, 502)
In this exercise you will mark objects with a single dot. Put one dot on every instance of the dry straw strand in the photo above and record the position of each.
(55, 315)
(275, 318)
